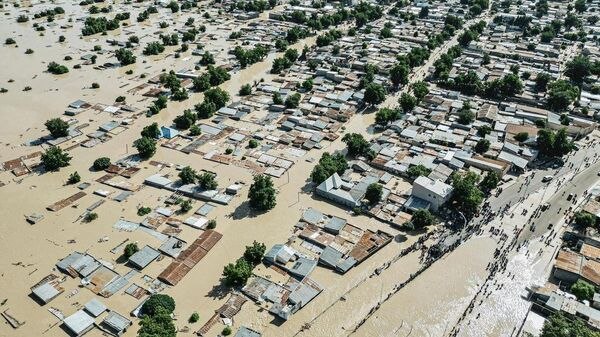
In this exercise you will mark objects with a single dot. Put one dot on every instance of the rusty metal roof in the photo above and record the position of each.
(190, 257)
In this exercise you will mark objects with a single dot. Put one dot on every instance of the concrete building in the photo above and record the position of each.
(435, 192)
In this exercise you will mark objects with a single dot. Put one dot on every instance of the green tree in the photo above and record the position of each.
(422, 218)
(207, 58)
(254, 254)
(374, 93)
(156, 301)
(482, 146)
(292, 101)
(195, 317)
(465, 115)
(561, 94)
(151, 131)
(101, 163)
(420, 89)
(185, 121)
(185, 206)
(521, 136)
(205, 109)
(541, 81)
(580, 6)
(578, 69)
(125, 56)
(399, 74)
(584, 219)
(130, 249)
(57, 69)
(245, 90)
(466, 195)
(356, 143)
(57, 127)
(146, 147)
(583, 290)
(207, 181)
(407, 102)
(553, 144)
(54, 158)
(484, 130)
(201, 83)
(236, 275)
(327, 166)
(387, 115)
(188, 175)
(262, 193)
(159, 324)
(560, 326)
(374, 193)
(218, 96)
(490, 181)
(195, 130)
(74, 178)
(90, 216)
(416, 171)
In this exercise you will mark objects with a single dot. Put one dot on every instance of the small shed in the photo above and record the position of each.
(168, 132)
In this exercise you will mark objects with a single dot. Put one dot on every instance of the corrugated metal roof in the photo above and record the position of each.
(190, 257)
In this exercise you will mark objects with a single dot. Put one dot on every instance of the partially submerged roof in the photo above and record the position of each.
(79, 322)
(246, 332)
(94, 307)
(144, 257)
(116, 323)
(190, 257)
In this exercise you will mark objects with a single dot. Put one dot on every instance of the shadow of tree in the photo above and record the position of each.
(219, 291)
(244, 211)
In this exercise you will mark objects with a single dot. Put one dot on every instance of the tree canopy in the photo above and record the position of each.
(554, 144)
(417, 170)
(490, 181)
(466, 195)
(583, 290)
(561, 94)
(422, 218)
(188, 175)
(374, 193)
(327, 166)
(157, 301)
(584, 219)
(560, 326)
(482, 146)
(207, 181)
(146, 147)
(54, 158)
(262, 193)
(387, 115)
(101, 163)
(374, 94)
(57, 127)
(254, 253)
(356, 143)
(237, 274)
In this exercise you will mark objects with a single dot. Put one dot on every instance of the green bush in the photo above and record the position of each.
(130, 249)
(101, 163)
